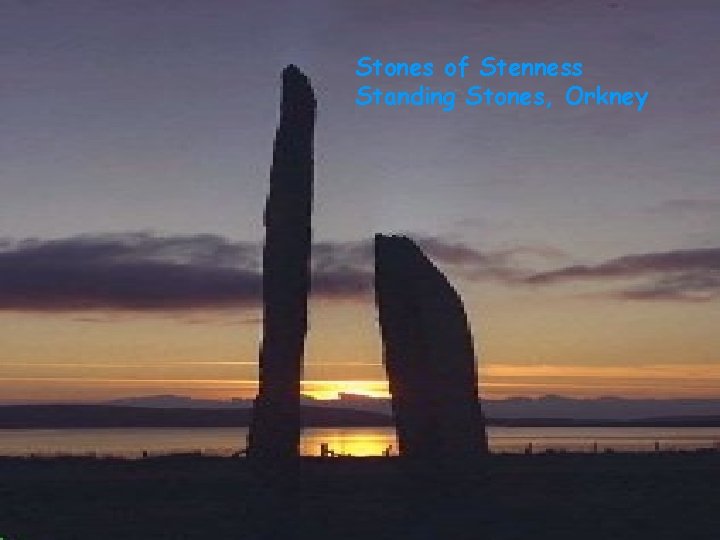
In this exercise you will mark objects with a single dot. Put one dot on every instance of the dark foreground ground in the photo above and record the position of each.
(609, 497)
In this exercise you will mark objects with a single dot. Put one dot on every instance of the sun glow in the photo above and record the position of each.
(333, 389)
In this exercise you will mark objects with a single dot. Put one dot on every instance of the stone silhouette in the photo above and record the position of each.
(275, 428)
(428, 354)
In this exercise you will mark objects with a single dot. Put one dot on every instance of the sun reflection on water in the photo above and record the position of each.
(355, 441)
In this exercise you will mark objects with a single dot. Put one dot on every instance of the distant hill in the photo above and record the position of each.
(113, 416)
(546, 407)
(170, 401)
(604, 408)
(674, 421)
(110, 416)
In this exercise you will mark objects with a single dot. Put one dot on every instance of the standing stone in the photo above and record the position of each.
(428, 354)
(275, 428)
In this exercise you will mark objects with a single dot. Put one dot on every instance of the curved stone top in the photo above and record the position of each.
(297, 92)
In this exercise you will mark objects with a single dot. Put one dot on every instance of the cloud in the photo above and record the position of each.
(676, 207)
(130, 271)
(147, 272)
(691, 287)
(143, 271)
(686, 275)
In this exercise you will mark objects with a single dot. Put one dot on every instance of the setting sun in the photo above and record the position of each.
(333, 389)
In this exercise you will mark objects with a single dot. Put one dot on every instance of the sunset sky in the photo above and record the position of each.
(135, 145)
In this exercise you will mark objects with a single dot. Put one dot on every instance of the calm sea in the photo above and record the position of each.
(132, 442)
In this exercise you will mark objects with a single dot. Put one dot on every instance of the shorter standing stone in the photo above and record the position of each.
(428, 354)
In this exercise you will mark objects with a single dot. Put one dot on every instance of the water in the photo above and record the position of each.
(131, 442)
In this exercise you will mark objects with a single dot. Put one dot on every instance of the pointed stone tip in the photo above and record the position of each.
(291, 68)
(293, 73)
(297, 88)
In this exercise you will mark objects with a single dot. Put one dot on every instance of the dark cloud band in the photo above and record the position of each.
(143, 271)
(687, 275)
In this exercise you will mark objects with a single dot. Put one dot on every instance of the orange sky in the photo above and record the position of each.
(528, 344)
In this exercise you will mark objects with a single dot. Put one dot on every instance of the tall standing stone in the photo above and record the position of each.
(428, 354)
(275, 428)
